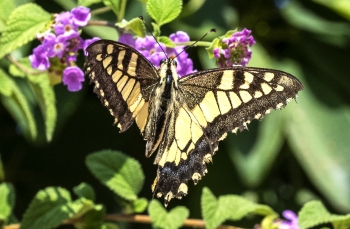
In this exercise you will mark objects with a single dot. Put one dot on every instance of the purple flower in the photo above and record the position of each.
(80, 15)
(73, 78)
(234, 50)
(39, 59)
(127, 38)
(88, 42)
(148, 47)
(291, 222)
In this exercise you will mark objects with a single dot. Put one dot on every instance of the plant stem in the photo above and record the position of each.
(22, 67)
(196, 223)
(100, 10)
(121, 10)
(199, 43)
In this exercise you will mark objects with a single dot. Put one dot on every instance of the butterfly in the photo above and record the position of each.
(183, 119)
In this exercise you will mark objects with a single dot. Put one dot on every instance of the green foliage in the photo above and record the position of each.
(44, 94)
(164, 11)
(314, 213)
(166, 41)
(51, 206)
(122, 174)
(139, 205)
(7, 200)
(24, 23)
(228, 207)
(84, 190)
(135, 25)
(161, 219)
(6, 7)
(114, 5)
(16, 103)
(342, 7)
(87, 3)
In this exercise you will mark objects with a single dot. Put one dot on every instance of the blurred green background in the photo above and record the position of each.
(292, 156)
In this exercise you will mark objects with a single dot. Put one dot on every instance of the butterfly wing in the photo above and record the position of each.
(123, 81)
(210, 104)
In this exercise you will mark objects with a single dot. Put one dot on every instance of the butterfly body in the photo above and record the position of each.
(183, 119)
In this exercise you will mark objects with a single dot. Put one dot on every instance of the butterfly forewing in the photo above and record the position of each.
(123, 81)
(184, 118)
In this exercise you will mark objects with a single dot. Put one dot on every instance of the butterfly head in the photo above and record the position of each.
(167, 71)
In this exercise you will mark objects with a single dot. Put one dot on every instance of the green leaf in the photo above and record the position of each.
(22, 26)
(314, 213)
(161, 219)
(5, 84)
(166, 41)
(92, 219)
(164, 11)
(48, 209)
(120, 173)
(46, 99)
(7, 200)
(18, 106)
(84, 190)
(342, 7)
(327, 132)
(139, 205)
(156, 29)
(87, 3)
(253, 152)
(114, 5)
(6, 7)
(135, 25)
(229, 207)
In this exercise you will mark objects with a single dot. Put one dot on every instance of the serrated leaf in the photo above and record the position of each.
(6, 7)
(7, 200)
(22, 26)
(5, 84)
(120, 173)
(87, 3)
(46, 99)
(92, 219)
(314, 213)
(156, 29)
(229, 207)
(139, 205)
(161, 219)
(166, 41)
(135, 25)
(18, 106)
(84, 190)
(48, 209)
(114, 5)
(164, 11)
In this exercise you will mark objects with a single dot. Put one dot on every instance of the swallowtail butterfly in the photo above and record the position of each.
(183, 119)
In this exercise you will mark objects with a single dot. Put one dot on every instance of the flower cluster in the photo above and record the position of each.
(148, 47)
(234, 50)
(63, 41)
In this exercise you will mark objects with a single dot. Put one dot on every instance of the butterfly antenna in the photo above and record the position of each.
(210, 31)
(153, 36)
